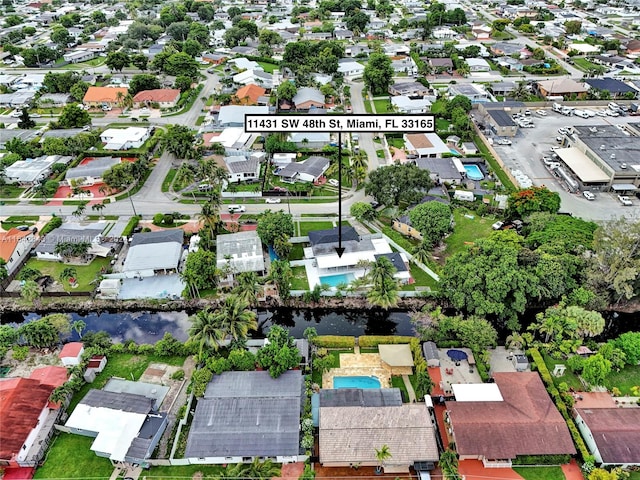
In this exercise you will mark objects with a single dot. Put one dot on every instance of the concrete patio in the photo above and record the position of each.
(359, 364)
(452, 373)
(500, 361)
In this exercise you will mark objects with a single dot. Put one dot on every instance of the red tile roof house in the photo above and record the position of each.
(524, 422)
(165, 97)
(611, 434)
(71, 353)
(26, 423)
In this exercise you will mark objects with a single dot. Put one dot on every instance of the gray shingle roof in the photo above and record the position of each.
(125, 402)
(306, 94)
(161, 236)
(430, 351)
(248, 414)
(240, 164)
(60, 235)
(313, 166)
(395, 259)
(93, 169)
(318, 237)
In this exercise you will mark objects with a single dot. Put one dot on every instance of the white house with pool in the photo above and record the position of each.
(325, 267)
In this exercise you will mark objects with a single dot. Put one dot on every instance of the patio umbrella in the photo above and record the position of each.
(456, 355)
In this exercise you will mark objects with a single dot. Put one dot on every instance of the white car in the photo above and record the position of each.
(588, 195)
(144, 110)
(35, 115)
(626, 201)
(497, 225)
(237, 209)
(272, 200)
(333, 182)
(601, 113)
(15, 114)
(504, 141)
(542, 113)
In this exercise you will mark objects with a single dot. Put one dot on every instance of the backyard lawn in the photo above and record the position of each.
(85, 274)
(381, 105)
(625, 379)
(268, 67)
(123, 365)
(569, 377)
(10, 191)
(297, 252)
(299, 280)
(70, 457)
(467, 230)
(306, 227)
(540, 473)
(422, 278)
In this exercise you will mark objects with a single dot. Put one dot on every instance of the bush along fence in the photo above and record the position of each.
(561, 401)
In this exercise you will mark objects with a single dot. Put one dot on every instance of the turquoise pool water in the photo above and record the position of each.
(474, 172)
(335, 280)
(454, 152)
(356, 382)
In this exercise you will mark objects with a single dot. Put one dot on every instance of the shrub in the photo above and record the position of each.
(367, 341)
(199, 381)
(20, 352)
(157, 219)
(133, 223)
(167, 219)
(541, 459)
(51, 225)
(178, 375)
(334, 341)
(218, 365)
(243, 360)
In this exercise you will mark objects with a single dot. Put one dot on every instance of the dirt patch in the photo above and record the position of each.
(197, 476)
(37, 358)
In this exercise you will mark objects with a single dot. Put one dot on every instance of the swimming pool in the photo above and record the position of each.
(335, 280)
(454, 152)
(474, 172)
(356, 382)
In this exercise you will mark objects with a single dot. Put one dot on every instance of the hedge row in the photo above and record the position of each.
(366, 341)
(51, 225)
(128, 229)
(560, 404)
(541, 459)
(334, 341)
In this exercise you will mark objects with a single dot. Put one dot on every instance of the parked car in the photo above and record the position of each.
(333, 182)
(237, 209)
(562, 131)
(144, 110)
(498, 225)
(588, 195)
(15, 114)
(542, 113)
(504, 141)
(35, 115)
(280, 189)
(624, 200)
(272, 200)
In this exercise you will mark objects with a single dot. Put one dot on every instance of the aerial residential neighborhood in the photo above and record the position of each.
(188, 292)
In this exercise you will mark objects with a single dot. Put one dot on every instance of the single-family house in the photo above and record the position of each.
(242, 168)
(351, 435)
(478, 65)
(611, 434)
(441, 65)
(404, 104)
(409, 89)
(403, 274)
(71, 354)
(473, 91)
(126, 426)
(231, 138)
(617, 88)
(342, 34)
(247, 415)
(153, 252)
(519, 419)
(481, 32)
(214, 58)
(504, 89)
(562, 86)
(14, 247)
(241, 251)
(16, 99)
(7, 134)
(233, 115)
(311, 140)
(164, 97)
(91, 172)
(442, 170)
(98, 96)
(509, 63)
(28, 416)
(357, 50)
(404, 64)
(72, 233)
(54, 100)
(350, 69)
(33, 170)
(249, 94)
(403, 225)
(508, 49)
(309, 170)
(79, 55)
(444, 33)
(257, 77)
(307, 98)
(425, 145)
(124, 138)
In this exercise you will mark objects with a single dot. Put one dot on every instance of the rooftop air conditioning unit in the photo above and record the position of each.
(602, 147)
(624, 165)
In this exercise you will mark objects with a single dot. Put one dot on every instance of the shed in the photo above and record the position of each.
(464, 195)
(431, 355)
(520, 362)
(71, 353)
(398, 357)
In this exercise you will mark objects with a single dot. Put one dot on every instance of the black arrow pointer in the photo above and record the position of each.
(339, 248)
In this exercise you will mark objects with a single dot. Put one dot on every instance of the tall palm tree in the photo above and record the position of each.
(210, 218)
(79, 326)
(248, 287)
(206, 329)
(422, 253)
(98, 207)
(68, 273)
(382, 270)
(384, 292)
(235, 317)
(382, 455)
(264, 470)
(359, 160)
(30, 291)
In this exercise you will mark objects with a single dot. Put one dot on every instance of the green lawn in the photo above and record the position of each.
(586, 65)
(569, 377)
(10, 191)
(268, 67)
(70, 457)
(467, 230)
(397, 142)
(299, 280)
(396, 382)
(438, 107)
(18, 220)
(442, 125)
(316, 375)
(297, 252)
(199, 120)
(634, 475)
(540, 473)
(123, 365)
(306, 227)
(407, 243)
(381, 105)
(422, 278)
(367, 106)
(86, 274)
(183, 472)
(168, 180)
(626, 378)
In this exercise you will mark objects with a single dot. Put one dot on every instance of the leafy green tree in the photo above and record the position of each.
(39, 333)
(61, 36)
(280, 354)
(432, 220)
(143, 81)
(378, 73)
(459, 101)
(183, 83)
(595, 369)
(572, 27)
(358, 20)
(79, 90)
(25, 121)
(199, 381)
(533, 199)
(73, 116)
(398, 184)
(629, 343)
(178, 31)
(116, 61)
(200, 271)
(4, 273)
(242, 360)
(272, 225)
(181, 63)
(179, 140)
(248, 287)
(500, 24)
(363, 211)
(140, 61)
(8, 335)
(282, 246)
(281, 274)
(573, 234)
(287, 90)
(30, 291)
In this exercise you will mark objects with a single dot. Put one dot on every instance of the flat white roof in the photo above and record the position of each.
(332, 260)
(582, 166)
(476, 392)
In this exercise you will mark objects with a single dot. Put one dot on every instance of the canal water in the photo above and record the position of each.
(149, 327)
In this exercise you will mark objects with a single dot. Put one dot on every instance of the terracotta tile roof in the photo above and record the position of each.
(53, 376)
(251, 93)
(71, 349)
(616, 432)
(21, 401)
(9, 240)
(158, 95)
(526, 422)
(103, 94)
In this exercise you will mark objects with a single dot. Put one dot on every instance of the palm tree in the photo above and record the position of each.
(79, 326)
(359, 160)
(248, 287)
(384, 292)
(382, 455)
(206, 329)
(68, 273)
(235, 317)
(261, 470)
(30, 291)
(119, 98)
(98, 207)
(422, 253)
(79, 211)
(210, 218)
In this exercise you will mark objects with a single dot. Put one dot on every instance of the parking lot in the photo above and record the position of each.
(531, 144)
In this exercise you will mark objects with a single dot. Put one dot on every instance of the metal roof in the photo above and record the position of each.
(126, 402)
(161, 236)
(430, 351)
(360, 397)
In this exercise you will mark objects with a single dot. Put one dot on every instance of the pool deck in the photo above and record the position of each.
(363, 365)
